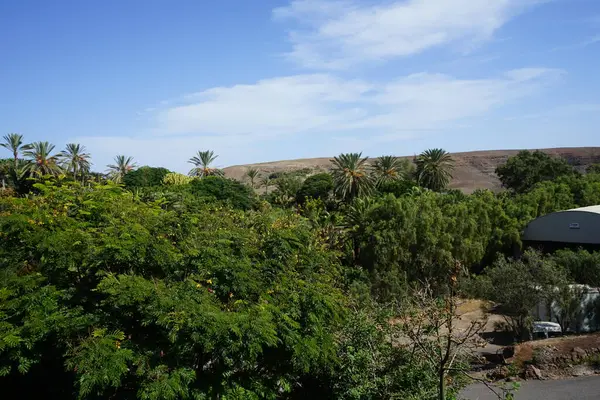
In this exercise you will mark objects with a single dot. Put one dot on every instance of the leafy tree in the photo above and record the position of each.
(434, 169)
(318, 187)
(523, 171)
(371, 367)
(145, 177)
(122, 166)
(14, 143)
(351, 177)
(75, 159)
(106, 296)
(396, 187)
(176, 179)
(40, 160)
(389, 169)
(252, 174)
(519, 286)
(202, 161)
(286, 189)
(593, 169)
(216, 188)
(583, 266)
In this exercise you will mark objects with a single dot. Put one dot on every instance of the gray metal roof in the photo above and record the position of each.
(578, 226)
(592, 209)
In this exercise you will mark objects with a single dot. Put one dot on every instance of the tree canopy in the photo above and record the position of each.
(338, 284)
(523, 171)
(145, 177)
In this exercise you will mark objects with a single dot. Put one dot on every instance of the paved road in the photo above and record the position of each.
(586, 388)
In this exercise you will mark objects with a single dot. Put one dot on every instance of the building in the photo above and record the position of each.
(575, 228)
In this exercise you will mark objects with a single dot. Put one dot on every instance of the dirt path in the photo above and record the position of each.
(587, 388)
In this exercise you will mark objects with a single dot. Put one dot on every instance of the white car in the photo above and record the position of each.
(546, 328)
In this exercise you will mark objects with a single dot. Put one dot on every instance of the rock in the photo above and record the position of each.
(580, 370)
(499, 373)
(578, 354)
(579, 351)
(531, 372)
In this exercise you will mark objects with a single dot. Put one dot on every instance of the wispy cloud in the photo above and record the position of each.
(238, 121)
(563, 111)
(325, 103)
(337, 34)
(579, 45)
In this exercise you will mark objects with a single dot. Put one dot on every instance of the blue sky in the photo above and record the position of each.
(284, 79)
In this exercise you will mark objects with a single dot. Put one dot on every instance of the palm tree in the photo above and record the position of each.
(434, 169)
(252, 174)
(75, 159)
(14, 143)
(40, 160)
(355, 221)
(351, 176)
(266, 182)
(120, 168)
(388, 168)
(201, 162)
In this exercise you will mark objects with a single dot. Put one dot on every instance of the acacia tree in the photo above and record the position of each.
(202, 161)
(434, 169)
(252, 174)
(14, 143)
(75, 159)
(351, 177)
(40, 160)
(120, 168)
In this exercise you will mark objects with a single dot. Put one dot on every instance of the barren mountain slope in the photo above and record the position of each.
(473, 170)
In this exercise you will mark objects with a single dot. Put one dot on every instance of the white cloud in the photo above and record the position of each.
(271, 106)
(579, 45)
(336, 34)
(241, 122)
(324, 103)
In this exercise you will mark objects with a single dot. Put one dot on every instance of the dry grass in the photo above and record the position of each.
(562, 345)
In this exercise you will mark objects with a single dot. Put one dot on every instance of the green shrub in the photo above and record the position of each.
(318, 187)
(145, 177)
(216, 188)
(176, 179)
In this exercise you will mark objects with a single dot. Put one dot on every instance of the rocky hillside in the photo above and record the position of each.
(473, 170)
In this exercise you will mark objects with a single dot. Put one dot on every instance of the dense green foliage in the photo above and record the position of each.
(145, 177)
(593, 169)
(526, 169)
(224, 190)
(136, 299)
(176, 179)
(519, 286)
(318, 187)
(581, 265)
(157, 285)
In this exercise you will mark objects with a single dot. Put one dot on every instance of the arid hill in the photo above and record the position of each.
(473, 170)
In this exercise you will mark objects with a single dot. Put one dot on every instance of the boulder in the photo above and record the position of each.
(531, 372)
